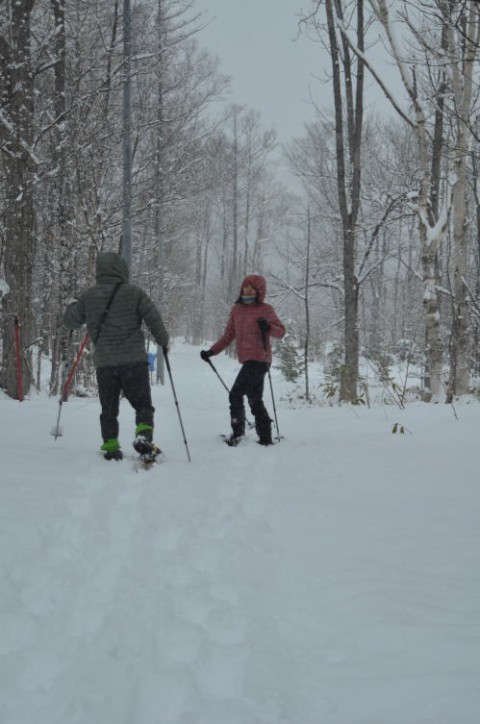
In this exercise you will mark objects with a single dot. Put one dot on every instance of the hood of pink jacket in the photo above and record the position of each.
(257, 282)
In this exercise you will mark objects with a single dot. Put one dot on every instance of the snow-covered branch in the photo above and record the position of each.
(376, 75)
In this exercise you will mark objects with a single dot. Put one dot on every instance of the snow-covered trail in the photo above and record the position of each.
(332, 578)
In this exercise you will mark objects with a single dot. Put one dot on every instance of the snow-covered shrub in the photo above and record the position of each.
(290, 357)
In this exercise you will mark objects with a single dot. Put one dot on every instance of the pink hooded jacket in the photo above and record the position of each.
(243, 328)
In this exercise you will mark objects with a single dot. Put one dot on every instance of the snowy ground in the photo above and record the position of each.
(331, 579)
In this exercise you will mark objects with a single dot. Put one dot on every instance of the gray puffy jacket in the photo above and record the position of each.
(121, 339)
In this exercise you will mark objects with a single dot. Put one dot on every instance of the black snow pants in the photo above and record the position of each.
(131, 379)
(249, 382)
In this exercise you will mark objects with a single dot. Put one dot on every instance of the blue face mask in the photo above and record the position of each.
(248, 300)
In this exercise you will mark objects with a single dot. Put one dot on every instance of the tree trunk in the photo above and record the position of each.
(433, 342)
(461, 317)
(234, 273)
(348, 184)
(16, 78)
(463, 89)
(61, 236)
(159, 188)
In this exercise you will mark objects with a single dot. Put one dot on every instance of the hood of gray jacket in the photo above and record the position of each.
(111, 267)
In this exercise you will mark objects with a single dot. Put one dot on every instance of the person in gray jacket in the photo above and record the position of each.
(113, 310)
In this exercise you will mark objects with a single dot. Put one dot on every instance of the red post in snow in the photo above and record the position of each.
(18, 357)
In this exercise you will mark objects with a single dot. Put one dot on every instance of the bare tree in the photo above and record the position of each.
(348, 95)
(19, 166)
(462, 44)
(452, 50)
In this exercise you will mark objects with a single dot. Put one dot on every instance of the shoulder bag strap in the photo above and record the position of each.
(105, 311)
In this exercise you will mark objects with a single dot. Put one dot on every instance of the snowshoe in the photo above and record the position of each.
(149, 459)
(232, 440)
(113, 455)
(148, 452)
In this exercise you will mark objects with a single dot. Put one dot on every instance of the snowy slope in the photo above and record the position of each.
(331, 579)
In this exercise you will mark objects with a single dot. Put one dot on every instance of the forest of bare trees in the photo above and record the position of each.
(377, 252)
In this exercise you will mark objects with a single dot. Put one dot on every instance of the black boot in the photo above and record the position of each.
(263, 426)
(143, 442)
(238, 429)
(238, 425)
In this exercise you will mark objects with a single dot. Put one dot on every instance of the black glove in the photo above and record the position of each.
(205, 354)
(263, 324)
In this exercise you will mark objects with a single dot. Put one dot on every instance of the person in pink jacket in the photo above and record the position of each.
(251, 324)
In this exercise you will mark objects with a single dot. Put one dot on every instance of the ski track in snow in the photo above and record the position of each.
(281, 585)
(122, 538)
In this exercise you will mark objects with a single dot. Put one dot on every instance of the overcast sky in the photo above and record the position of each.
(271, 70)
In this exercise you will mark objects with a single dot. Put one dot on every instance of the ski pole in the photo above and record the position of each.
(67, 384)
(216, 372)
(57, 431)
(18, 358)
(274, 407)
(249, 423)
(167, 362)
(271, 388)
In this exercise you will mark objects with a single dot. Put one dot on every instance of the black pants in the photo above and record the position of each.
(134, 382)
(249, 382)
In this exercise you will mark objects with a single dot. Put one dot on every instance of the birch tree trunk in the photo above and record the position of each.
(234, 272)
(456, 55)
(431, 230)
(462, 70)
